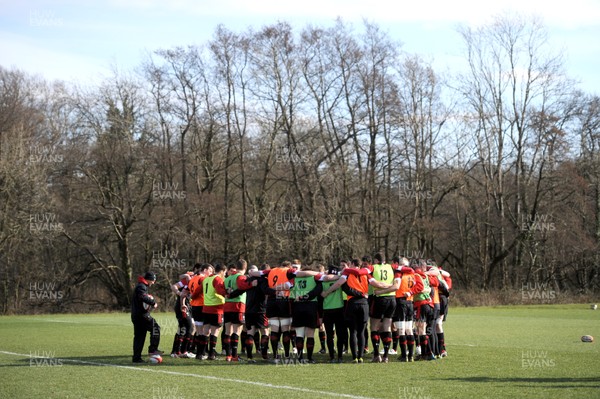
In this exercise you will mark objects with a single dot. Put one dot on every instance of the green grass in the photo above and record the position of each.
(494, 352)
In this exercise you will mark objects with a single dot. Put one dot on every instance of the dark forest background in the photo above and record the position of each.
(317, 144)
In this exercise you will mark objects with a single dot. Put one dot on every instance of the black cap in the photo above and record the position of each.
(150, 276)
(333, 270)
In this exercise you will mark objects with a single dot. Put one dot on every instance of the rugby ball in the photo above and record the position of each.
(148, 307)
(156, 359)
(587, 338)
(594, 307)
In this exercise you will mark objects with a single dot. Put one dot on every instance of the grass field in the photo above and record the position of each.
(494, 352)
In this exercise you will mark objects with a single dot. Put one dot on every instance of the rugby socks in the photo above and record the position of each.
(202, 341)
(410, 341)
(395, 339)
(185, 344)
(212, 342)
(310, 346)
(286, 343)
(242, 339)
(234, 344)
(222, 339)
(197, 344)
(322, 336)
(275, 336)
(424, 345)
(226, 343)
(402, 340)
(257, 340)
(441, 343)
(300, 346)
(264, 346)
(192, 345)
(386, 338)
(375, 341)
(243, 336)
(249, 342)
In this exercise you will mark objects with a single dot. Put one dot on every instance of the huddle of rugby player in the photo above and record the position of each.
(403, 303)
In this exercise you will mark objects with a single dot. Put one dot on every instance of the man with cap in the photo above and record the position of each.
(142, 320)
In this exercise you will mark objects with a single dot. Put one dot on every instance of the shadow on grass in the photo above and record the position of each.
(548, 382)
(102, 361)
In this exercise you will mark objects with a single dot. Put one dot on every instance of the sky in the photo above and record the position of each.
(83, 41)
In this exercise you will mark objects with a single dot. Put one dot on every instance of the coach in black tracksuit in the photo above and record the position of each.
(142, 320)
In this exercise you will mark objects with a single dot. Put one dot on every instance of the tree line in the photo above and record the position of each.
(320, 144)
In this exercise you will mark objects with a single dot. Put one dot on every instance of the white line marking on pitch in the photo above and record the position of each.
(209, 377)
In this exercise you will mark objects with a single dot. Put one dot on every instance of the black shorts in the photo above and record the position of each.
(213, 319)
(258, 320)
(233, 317)
(305, 314)
(279, 307)
(383, 307)
(197, 314)
(404, 310)
(424, 312)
